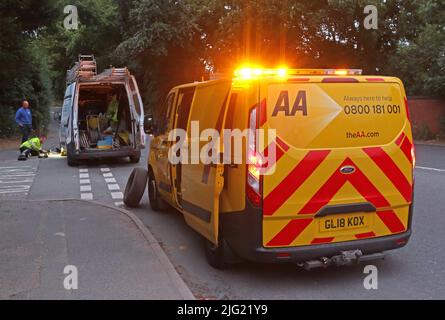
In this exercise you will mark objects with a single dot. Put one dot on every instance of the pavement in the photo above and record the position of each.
(413, 272)
(114, 257)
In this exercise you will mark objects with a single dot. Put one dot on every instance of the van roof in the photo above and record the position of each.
(241, 76)
(108, 75)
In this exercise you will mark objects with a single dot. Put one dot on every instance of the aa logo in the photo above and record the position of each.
(283, 104)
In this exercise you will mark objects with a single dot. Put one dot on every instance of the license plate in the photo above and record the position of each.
(345, 222)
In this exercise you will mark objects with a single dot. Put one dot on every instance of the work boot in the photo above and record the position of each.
(22, 157)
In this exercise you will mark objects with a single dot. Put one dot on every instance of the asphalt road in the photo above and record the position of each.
(413, 272)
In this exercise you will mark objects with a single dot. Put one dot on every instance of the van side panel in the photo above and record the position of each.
(344, 171)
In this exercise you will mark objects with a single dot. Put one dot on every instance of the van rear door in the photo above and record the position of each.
(343, 168)
(138, 111)
(66, 117)
(201, 184)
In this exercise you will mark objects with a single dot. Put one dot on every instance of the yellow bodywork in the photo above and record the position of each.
(326, 128)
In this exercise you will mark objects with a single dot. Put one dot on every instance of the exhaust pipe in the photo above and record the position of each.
(346, 258)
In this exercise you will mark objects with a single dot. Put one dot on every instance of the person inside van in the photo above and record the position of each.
(33, 147)
(112, 111)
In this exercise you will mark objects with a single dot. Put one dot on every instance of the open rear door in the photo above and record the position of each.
(201, 183)
(138, 111)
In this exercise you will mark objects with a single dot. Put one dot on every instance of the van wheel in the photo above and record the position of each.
(216, 255)
(71, 161)
(156, 203)
(135, 159)
(135, 188)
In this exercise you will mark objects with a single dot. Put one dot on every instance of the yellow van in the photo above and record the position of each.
(339, 189)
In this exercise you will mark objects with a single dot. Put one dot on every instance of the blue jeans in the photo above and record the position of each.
(26, 131)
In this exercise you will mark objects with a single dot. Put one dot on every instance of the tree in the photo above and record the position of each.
(420, 55)
(24, 71)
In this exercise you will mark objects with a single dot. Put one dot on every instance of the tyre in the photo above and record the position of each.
(156, 203)
(134, 190)
(71, 161)
(135, 159)
(216, 255)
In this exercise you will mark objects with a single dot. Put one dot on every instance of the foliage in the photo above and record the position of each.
(420, 56)
(24, 71)
(168, 42)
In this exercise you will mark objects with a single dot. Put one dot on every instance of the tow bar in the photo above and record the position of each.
(346, 258)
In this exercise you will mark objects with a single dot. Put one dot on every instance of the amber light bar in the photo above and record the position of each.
(252, 73)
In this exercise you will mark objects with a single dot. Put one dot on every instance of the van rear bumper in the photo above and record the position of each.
(243, 233)
(85, 155)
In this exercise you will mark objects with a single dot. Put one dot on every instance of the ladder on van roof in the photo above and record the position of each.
(84, 68)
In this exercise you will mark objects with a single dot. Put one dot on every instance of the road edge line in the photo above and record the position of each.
(172, 273)
(433, 144)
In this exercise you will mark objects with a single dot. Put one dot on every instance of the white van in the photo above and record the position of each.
(102, 114)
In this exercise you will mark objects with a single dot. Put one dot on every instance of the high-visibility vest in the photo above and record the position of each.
(33, 143)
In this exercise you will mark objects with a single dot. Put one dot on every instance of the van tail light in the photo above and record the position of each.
(254, 162)
(408, 115)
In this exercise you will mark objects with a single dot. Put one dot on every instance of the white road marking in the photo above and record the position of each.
(85, 188)
(113, 187)
(86, 196)
(14, 189)
(430, 169)
(16, 181)
(13, 176)
(85, 184)
(117, 195)
(16, 170)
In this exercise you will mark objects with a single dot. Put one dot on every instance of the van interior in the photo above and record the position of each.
(104, 117)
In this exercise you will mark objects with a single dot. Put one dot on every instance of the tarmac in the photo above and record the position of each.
(74, 249)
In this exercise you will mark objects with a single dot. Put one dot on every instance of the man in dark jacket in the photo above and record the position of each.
(23, 118)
